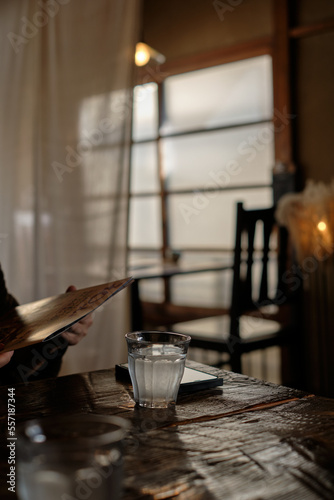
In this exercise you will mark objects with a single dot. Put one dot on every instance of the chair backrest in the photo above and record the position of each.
(254, 254)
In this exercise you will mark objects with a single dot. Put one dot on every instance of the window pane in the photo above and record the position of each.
(98, 213)
(152, 290)
(203, 289)
(145, 112)
(140, 260)
(232, 93)
(145, 222)
(203, 220)
(149, 289)
(220, 158)
(144, 168)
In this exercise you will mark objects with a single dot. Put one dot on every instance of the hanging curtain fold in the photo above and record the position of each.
(66, 87)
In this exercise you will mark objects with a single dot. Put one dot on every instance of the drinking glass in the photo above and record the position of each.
(156, 364)
(77, 456)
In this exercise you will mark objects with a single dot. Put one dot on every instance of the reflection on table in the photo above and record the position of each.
(244, 439)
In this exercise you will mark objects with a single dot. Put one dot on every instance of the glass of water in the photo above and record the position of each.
(77, 456)
(156, 364)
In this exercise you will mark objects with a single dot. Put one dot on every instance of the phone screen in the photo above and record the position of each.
(192, 380)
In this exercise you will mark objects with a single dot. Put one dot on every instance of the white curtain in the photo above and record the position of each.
(65, 100)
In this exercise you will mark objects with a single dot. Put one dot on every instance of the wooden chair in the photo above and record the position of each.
(163, 315)
(260, 315)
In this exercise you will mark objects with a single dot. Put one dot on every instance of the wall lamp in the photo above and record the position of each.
(145, 53)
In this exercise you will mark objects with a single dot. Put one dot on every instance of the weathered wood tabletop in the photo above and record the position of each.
(245, 440)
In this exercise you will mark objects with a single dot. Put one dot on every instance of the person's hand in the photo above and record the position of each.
(78, 331)
(5, 358)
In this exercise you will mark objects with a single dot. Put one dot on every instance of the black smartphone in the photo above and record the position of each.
(192, 380)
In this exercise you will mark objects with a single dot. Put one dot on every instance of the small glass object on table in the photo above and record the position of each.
(76, 456)
(156, 364)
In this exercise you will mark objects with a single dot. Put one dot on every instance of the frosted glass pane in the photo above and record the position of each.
(152, 290)
(219, 158)
(144, 168)
(138, 259)
(203, 289)
(208, 219)
(149, 289)
(145, 112)
(145, 222)
(232, 93)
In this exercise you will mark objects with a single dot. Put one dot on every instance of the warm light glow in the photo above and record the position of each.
(142, 54)
(322, 226)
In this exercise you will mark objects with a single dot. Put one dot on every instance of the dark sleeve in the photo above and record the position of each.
(31, 363)
(7, 301)
(36, 362)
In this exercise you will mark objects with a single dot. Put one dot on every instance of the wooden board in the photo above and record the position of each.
(46, 318)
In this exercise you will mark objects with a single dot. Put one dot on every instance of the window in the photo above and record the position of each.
(202, 141)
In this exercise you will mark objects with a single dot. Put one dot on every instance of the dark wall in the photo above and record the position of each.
(180, 28)
(313, 92)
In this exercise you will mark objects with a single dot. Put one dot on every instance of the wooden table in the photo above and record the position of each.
(170, 269)
(155, 312)
(245, 440)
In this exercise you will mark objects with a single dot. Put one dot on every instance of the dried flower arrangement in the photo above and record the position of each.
(309, 217)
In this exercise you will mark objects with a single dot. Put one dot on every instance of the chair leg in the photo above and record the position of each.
(236, 362)
(136, 309)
